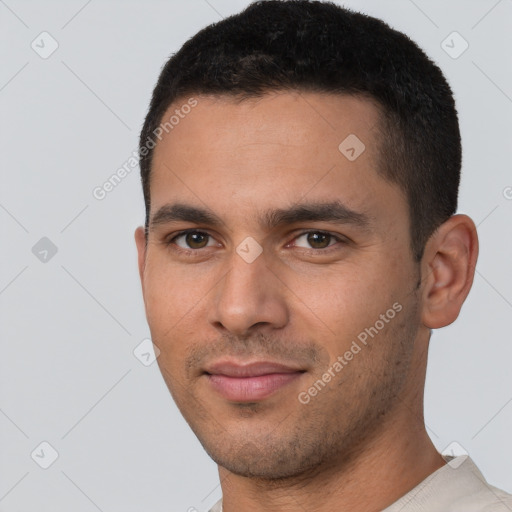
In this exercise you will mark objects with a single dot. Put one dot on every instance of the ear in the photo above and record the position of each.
(140, 241)
(448, 265)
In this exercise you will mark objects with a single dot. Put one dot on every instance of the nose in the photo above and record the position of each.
(250, 297)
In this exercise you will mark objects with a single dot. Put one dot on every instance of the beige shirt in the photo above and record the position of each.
(456, 487)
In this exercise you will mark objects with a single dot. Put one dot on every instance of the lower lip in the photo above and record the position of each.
(250, 389)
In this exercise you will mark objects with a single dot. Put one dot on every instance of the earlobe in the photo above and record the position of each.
(140, 241)
(449, 266)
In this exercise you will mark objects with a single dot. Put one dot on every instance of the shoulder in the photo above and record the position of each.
(458, 486)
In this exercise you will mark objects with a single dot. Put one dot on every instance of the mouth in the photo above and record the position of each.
(250, 382)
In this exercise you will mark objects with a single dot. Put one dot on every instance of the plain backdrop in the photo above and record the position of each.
(71, 308)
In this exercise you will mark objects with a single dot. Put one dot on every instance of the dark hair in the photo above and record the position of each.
(318, 46)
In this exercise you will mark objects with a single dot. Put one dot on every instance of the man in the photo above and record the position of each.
(300, 243)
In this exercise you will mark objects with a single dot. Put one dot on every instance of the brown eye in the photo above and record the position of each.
(193, 240)
(319, 240)
(196, 240)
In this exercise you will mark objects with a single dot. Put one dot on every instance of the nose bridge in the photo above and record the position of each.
(249, 294)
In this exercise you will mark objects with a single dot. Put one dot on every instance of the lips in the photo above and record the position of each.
(238, 382)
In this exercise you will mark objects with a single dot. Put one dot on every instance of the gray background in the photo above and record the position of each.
(70, 323)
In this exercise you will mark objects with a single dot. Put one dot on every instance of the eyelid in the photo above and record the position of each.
(171, 239)
(338, 238)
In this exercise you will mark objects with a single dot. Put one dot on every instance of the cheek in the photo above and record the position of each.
(167, 302)
(345, 297)
(336, 306)
(176, 301)
(170, 291)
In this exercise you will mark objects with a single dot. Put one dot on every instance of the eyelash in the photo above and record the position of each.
(171, 241)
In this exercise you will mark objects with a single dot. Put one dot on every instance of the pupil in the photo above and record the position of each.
(319, 240)
(196, 240)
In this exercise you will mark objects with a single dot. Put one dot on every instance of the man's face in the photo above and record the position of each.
(297, 257)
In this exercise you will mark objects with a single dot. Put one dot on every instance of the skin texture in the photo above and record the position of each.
(360, 442)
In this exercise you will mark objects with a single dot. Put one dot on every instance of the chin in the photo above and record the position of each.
(274, 460)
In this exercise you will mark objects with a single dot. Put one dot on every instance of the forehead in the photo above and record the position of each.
(237, 156)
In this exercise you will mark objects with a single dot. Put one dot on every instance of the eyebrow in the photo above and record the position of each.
(181, 212)
(333, 211)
